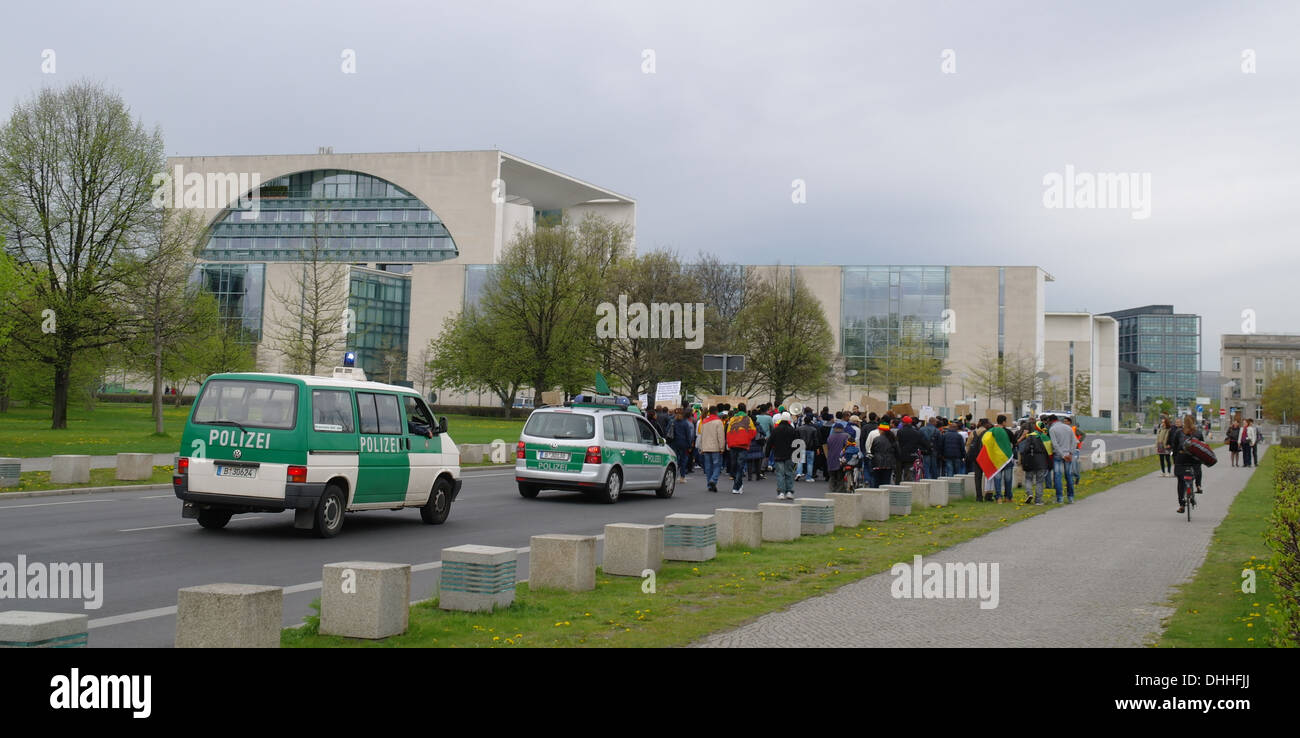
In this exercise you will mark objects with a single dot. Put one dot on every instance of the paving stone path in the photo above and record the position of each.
(1093, 574)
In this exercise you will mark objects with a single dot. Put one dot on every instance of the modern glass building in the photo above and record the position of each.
(1168, 344)
(884, 306)
(381, 303)
(240, 293)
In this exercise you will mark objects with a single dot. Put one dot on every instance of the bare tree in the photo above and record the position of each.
(311, 327)
(792, 347)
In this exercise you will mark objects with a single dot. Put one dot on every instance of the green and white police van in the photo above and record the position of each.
(593, 445)
(319, 446)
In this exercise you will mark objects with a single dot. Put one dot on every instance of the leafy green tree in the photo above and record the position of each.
(471, 352)
(791, 347)
(1281, 399)
(76, 185)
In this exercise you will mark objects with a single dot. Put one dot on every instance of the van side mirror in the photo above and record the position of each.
(661, 440)
(442, 424)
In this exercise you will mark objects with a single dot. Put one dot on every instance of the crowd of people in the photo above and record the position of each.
(848, 451)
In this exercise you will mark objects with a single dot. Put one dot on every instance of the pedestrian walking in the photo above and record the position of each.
(1162, 447)
(1234, 443)
(834, 449)
(740, 432)
(781, 446)
(1034, 459)
(712, 443)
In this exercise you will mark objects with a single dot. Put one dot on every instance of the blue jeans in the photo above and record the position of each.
(1074, 467)
(808, 458)
(1004, 482)
(683, 455)
(784, 476)
(932, 467)
(1060, 467)
(712, 463)
(738, 464)
(953, 467)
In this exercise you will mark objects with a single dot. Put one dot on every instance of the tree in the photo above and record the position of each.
(164, 300)
(1082, 393)
(543, 296)
(790, 341)
(1281, 399)
(226, 347)
(472, 352)
(310, 327)
(76, 184)
(727, 291)
(985, 376)
(1020, 381)
(1159, 406)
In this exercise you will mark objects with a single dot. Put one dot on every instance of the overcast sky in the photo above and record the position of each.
(903, 162)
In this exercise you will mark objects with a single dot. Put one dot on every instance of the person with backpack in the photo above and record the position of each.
(807, 433)
(1034, 459)
(886, 462)
(1184, 461)
(823, 435)
(973, 447)
(740, 433)
(681, 438)
(911, 441)
(834, 452)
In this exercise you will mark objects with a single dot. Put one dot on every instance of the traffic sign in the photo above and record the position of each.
(1223, 411)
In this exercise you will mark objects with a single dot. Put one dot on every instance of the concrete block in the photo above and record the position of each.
(365, 599)
(1085, 463)
(922, 495)
(940, 489)
(562, 561)
(473, 453)
(229, 616)
(10, 469)
(70, 469)
(690, 537)
(848, 508)
(900, 499)
(27, 629)
(631, 548)
(968, 485)
(875, 504)
(781, 521)
(816, 516)
(737, 527)
(134, 467)
(477, 578)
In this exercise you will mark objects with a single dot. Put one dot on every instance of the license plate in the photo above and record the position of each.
(553, 455)
(247, 472)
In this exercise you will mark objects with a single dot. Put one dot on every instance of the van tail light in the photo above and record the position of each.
(297, 474)
(593, 455)
(519, 450)
(183, 465)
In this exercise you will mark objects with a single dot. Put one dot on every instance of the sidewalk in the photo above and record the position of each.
(43, 463)
(1094, 574)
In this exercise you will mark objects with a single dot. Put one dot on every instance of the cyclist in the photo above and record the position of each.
(1183, 461)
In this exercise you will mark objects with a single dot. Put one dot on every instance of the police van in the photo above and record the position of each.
(319, 446)
(596, 445)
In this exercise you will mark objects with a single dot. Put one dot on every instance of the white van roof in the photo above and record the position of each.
(315, 381)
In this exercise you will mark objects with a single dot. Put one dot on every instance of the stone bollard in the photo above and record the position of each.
(816, 516)
(477, 578)
(70, 469)
(848, 508)
(737, 527)
(781, 521)
(365, 599)
(690, 537)
(473, 453)
(1085, 463)
(968, 485)
(229, 616)
(562, 561)
(134, 467)
(875, 503)
(27, 629)
(921, 495)
(631, 548)
(900, 499)
(10, 469)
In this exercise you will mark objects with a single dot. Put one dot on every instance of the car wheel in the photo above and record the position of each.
(214, 519)
(528, 490)
(436, 510)
(670, 483)
(329, 513)
(613, 487)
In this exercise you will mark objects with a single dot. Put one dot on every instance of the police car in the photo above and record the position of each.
(596, 445)
(319, 446)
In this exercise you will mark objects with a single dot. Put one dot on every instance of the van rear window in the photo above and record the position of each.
(251, 404)
(560, 425)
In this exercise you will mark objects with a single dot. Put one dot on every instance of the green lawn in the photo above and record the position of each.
(1212, 611)
(39, 480)
(114, 427)
(693, 600)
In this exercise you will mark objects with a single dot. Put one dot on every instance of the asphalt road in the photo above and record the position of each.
(148, 551)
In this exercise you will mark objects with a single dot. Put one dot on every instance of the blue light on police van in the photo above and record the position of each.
(350, 358)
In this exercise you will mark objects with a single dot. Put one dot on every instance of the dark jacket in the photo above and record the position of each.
(953, 447)
(884, 452)
(910, 440)
(808, 434)
(779, 442)
(1181, 457)
(683, 434)
(1032, 455)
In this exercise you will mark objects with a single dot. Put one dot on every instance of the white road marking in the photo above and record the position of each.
(43, 504)
(180, 525)
(156, 497)
(132, 617)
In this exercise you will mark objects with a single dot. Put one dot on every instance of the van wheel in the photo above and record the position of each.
(214, 519)
(612, 488)
(528, 490)
(329, 513)
(670, 483)
(436, 510)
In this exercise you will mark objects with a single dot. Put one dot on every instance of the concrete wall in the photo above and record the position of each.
(1095, 351)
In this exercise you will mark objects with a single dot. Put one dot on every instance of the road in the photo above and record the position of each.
(149, 552)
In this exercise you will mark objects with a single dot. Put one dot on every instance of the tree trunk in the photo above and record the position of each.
(62, 378)
(157, 391)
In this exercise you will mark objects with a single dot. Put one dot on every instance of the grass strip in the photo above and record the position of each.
(692, 600)
(37, 481)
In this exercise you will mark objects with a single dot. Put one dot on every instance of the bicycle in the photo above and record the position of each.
(1189, 491)
(918, 467)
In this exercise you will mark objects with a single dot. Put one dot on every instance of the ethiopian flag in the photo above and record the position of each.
(996, 451)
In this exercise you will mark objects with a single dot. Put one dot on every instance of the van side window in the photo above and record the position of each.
(331, 411)
(648, 434)
(369, 416)
(628, 431)
(390, 414)
(610, 424)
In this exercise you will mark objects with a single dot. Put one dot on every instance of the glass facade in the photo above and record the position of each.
(476, 277)
(880, 305)
(381, 302)
(1167, 343)
(348, 216)
(240, 290)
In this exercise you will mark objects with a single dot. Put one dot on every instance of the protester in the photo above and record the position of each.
(1062, 454)
(953, 446)
(1033, 458)
(1004, 478)
(780, 444)
(740, 432)
(885, 457)
(834, 448)
(807, 432)
(973, 447)
(712, 443)
(911, 442)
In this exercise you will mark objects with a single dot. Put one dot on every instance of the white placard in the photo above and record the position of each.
(643, 399)
(927, 412)
(668, 392)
